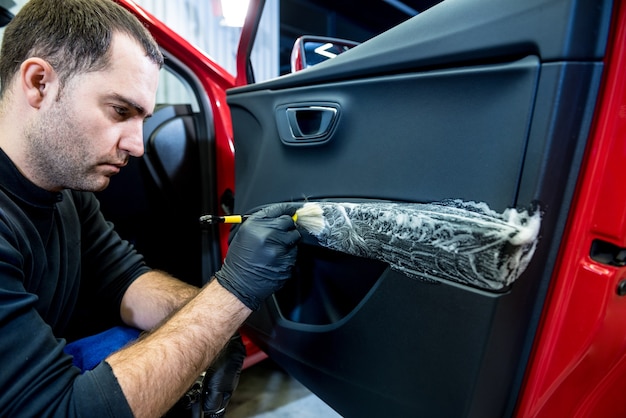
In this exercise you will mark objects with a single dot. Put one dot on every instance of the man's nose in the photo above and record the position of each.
(132, 139)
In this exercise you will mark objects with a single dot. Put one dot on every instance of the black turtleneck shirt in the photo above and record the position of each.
(59, 259)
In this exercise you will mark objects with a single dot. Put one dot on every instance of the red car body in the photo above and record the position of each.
(577, 367)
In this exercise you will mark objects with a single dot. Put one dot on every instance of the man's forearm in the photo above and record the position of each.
(157, 370)
(153, 297)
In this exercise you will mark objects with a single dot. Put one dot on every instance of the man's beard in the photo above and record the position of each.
(58, 153)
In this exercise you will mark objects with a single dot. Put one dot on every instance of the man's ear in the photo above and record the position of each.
(37, 79)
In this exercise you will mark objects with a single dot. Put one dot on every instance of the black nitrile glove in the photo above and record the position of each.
(222, 378)
(261, 255)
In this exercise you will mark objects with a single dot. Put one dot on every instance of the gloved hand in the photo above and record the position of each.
(212, 391)
(261, 255)
(222, 377)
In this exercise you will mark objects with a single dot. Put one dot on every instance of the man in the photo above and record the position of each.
(78, 78)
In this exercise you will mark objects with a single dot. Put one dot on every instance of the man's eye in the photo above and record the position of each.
(121, 111)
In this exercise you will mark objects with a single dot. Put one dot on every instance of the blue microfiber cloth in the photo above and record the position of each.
(88, 352)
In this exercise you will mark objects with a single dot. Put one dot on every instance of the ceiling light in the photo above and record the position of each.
(234, 12)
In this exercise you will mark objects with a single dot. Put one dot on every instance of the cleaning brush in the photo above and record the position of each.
(311, 218)
(453, 240)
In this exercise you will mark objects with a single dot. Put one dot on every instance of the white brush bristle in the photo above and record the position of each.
(311, 218)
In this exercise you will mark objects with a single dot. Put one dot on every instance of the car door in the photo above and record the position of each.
(480, 101)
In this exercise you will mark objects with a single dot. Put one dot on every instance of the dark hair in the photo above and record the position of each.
(74, 36)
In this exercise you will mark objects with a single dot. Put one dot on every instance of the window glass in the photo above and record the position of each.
(173, 89)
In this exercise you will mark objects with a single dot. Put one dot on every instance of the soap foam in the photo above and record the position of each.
(464, 242)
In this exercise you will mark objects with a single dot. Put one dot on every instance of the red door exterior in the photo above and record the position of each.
(578, 368)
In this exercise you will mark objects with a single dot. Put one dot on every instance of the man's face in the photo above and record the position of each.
(88, 133)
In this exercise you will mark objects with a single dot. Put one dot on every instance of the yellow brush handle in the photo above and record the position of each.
(233, 219)
(237, 219)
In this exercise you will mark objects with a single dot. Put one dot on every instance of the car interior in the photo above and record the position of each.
(157, 199)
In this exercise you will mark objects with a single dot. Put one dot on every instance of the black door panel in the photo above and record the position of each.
(425, 112)
(416, 137)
